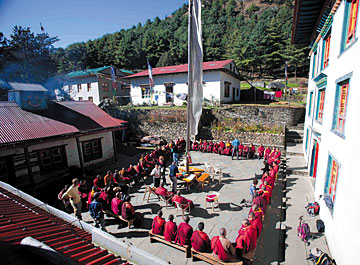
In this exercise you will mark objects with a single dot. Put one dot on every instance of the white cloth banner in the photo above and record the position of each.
(195, 73)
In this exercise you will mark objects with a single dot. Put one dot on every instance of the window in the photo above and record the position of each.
(326, 50)
(52, 158)
(307, 139)
(227, 89)
(92, 150)
(91, 99)
(238, 92)
(80, 98)
(145, 91)
(88, 87)
(320, 105)
(314, 64)
(331, 178)
(79, 87)
(105, 86)
(69, 88)
(3, 168)
(310, 102)
(352, 13)
(105, 97)
(341, 97)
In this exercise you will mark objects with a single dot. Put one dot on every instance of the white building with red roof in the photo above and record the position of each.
(221, 83)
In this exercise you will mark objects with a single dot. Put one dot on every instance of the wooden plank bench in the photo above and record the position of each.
(186, 248)
(209, 258)
(204, 178)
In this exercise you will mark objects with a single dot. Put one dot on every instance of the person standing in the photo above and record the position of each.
(173, 171)
(235, 150)
(175, 151)
(73, 195)
(155, 173)
(162, 164)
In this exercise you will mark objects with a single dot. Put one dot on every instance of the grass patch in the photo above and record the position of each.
(236, 126)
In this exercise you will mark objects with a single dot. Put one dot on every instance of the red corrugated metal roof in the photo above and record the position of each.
(183, 68)
(89, 109)
(19, 125)
(20, 219)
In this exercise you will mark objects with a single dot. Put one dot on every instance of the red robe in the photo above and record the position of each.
(184, 234)
(258, 225)
(219, 251)
(258, 214)
(265, 195)
(158, 226)
(246, 240)
(127, 211)
(170, 231)
(200, 241)
(116, 204)
(183, 201)
(261, 202)
(261, 151)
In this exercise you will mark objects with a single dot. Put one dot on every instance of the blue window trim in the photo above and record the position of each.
(328, 33)
(338, 82)
(311, 95)
(343, 46)
(327, 178)
(314, 64)
(318, 104)
(307, 140)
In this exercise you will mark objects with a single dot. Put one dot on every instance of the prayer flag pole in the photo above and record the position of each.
(195, 75)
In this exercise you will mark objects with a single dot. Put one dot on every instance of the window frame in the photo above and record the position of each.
(145, 91)
(91, 99)
(88, 87)
(311, 95)
(330, 186)
(80, 98)
(79, 87)
(350, 35)
(320, 105)
(105, 86)
(337, 116)
(326, 50)
(227, 89)
(89, 149)
(314, 64)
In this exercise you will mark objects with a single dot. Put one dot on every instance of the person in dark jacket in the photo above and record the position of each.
(96, 212)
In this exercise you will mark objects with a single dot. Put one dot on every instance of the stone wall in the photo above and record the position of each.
(170, 123)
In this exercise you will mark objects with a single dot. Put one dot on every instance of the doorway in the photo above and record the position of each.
(169, 89)
(314, 159)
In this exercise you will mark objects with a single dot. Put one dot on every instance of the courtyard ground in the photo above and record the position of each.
(238, 175)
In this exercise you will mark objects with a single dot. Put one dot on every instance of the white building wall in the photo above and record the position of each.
(341, 225)
(234, 83)
(212, 89)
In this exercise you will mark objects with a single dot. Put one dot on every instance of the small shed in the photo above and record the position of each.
(28, 96)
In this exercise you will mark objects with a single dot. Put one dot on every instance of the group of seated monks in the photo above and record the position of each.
(226, 148)
(220, 247)
(174, 198)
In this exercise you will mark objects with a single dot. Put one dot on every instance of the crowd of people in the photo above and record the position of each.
(251, 228)
(110, 194)
(234, 148)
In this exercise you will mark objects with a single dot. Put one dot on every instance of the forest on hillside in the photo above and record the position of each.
(256, 34)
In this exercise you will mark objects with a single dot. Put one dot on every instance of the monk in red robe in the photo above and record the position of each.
(260, 151)
(222, 247)
(215, 148)
(241, 149)
(255, 222)
(200, 240)
(180, 199)
(116, 203)
(265, 194)
(228, 149)
(275, 167)
(257, 211)
(260, 201)
(163, 191)
(195, 146)
(158, 224)
(221, 147)
(128, 213)
(267, 152)
(267, 187)
(184, 233)
(247, 237)
(170, 229)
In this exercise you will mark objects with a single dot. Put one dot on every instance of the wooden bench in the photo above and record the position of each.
(204, 178)
(186, 248)
(249, 257)
(209, 258)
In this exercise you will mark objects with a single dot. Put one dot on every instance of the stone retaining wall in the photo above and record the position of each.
(170, 123)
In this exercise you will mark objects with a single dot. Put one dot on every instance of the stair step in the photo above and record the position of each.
(102, 260)
(94, 256)
(78, 249)
(85, 253)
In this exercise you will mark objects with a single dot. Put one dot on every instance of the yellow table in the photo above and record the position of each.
(191, 169)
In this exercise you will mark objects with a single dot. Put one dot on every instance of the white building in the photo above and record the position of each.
(331, 142)
(221, 83)
(43, 145)
(96, 85)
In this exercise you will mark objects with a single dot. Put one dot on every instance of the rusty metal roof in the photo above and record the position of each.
(20, 219)
(17, 125)
(90, 110)
(27, 87)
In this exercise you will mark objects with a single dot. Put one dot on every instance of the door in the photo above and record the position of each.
(169, 94)
(314, 159)
(234, 94)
